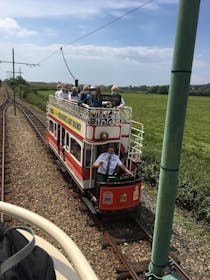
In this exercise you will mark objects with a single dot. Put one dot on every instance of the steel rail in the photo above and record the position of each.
(33, 120)
(131, 271)
(112, 243)
(174, 264)
(3, 109)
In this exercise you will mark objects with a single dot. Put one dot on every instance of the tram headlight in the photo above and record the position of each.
(104, 136)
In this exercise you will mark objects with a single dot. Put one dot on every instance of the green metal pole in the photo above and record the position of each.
(174, 128)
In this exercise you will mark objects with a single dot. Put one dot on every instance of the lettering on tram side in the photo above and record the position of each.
(70, 121)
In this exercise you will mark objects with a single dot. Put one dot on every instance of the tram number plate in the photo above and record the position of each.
(123, 197)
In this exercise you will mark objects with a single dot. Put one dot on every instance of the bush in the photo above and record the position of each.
(191, 196)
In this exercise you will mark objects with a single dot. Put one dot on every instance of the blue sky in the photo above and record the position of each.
(135, 50)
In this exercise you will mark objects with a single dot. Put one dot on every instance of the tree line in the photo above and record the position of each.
(195, 90)
(25, 87)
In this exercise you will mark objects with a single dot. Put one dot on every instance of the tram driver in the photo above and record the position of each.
(107, 163)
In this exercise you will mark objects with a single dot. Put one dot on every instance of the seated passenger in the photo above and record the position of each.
(64, 93)
(95, 97)
(58, 90)
(115, 91)
(84, 97)
(92, 99)
(74, 94)
(107, 163)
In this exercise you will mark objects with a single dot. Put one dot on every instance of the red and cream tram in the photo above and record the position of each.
(77, 136)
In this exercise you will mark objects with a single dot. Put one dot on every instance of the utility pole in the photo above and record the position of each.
(13, 71)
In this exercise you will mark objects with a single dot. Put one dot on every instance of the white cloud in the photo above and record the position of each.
(10, 27)
(78, 9)
(99, 65)
(137, 54)
(39, 8)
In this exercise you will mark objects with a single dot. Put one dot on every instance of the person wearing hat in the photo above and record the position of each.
(95, 97)
(107, 163)
(115, 92)
(64, 93)
(92, 98)
(84, 97)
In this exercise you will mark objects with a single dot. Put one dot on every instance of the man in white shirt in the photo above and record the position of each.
(107, 163)
(58, 90)
(64, 93)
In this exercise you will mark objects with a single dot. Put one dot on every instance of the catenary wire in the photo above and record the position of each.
(97, 29)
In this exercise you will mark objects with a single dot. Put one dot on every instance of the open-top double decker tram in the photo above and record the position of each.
(78, 135)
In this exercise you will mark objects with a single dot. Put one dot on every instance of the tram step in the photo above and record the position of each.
(89, 205)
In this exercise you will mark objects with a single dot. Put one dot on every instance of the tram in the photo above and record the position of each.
(78, 135)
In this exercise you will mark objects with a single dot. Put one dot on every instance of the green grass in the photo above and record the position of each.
(150, 109)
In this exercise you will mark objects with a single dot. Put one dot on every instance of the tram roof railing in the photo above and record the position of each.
(93, 115)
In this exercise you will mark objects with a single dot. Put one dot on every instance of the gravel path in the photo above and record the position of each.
(37, 184)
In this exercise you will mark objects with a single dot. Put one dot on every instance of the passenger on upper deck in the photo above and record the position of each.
(74, 94)
(92, 98)
(95, 97)
(58, 90)
(115, 91)
(107, 163)
(84, 96)
(64, 93)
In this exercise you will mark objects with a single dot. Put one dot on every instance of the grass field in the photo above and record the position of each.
(150, 110)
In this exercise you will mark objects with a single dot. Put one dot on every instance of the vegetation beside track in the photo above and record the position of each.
(194, 177)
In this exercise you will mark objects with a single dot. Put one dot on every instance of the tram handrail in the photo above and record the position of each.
(74, 254)
(93, 115)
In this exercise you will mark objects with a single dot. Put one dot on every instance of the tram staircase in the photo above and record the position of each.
(136, 140)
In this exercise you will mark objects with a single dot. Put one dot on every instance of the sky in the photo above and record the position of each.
(126, 42)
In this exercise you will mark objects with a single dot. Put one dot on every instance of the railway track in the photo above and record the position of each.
(38, 125)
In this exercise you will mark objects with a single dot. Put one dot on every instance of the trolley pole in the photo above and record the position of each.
(173, 136)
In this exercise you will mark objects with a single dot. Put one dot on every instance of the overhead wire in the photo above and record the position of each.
(108, 23)
(98, 28)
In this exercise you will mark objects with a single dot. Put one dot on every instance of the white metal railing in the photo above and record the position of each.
(78, 260)
(93, 115)
(136, 141)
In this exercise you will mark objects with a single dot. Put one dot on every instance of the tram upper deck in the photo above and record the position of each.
(93, 116)
(89, 123)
